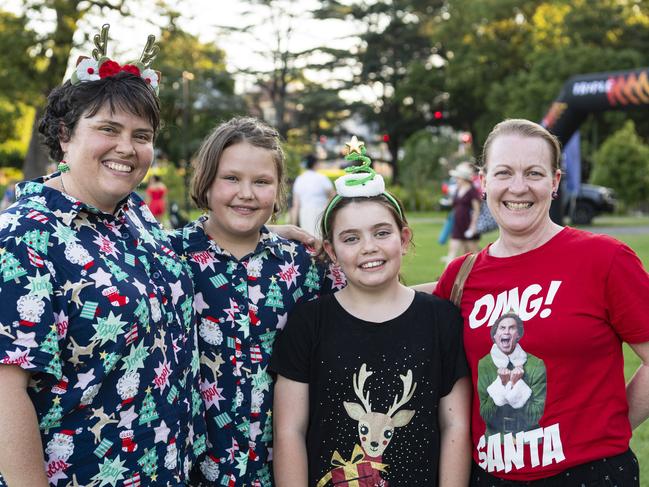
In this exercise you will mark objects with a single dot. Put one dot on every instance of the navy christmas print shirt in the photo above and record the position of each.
(242, 304)
(102, 317)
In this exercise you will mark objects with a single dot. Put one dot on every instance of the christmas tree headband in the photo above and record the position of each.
(100, 66)
(361, 181)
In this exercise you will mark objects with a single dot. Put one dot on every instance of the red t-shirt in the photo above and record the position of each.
(579, 297)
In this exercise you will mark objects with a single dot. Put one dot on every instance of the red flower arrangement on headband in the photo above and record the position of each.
(100, 66)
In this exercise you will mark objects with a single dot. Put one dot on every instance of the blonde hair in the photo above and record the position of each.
(524, 128)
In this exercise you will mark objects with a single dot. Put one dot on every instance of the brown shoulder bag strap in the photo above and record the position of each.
(460, 279)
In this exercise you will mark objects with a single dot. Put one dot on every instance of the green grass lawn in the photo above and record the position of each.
(424, 263)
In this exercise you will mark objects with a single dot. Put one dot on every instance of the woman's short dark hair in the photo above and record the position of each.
(239, 129)
(67, 103)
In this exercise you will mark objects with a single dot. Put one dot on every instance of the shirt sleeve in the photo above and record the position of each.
(292, 349)
(454, 365)
(29, 336)
(627, 296)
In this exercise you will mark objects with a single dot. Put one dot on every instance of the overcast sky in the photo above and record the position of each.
(203, 17)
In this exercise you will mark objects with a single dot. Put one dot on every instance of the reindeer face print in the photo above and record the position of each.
(375, 430)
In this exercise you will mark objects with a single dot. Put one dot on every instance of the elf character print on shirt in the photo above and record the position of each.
(375, 431)
(512, 383)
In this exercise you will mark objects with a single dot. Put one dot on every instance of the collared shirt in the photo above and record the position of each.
(242, 304)
(101, 315)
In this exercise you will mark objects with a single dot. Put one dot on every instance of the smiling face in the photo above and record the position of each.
(108, 153)
(367, 244)
(506, 336)
(243, 194)
(519, 181)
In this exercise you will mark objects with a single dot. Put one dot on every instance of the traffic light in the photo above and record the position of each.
(386, 138)
(438, 115)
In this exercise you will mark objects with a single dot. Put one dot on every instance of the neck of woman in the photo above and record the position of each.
(239, 247)
(376, 305)
(510, 244)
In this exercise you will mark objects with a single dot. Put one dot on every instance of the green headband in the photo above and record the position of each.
(360, 181)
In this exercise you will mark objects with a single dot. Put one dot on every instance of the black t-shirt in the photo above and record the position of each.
(414, 359)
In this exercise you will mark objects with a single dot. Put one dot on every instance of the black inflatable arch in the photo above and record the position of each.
(597, 92)
(590, 93)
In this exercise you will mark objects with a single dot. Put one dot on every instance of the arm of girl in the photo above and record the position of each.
(637, 390)
(291, 418)
(455, 443)
(293, 232)
(21, 458)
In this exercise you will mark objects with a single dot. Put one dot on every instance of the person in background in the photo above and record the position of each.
(580, 295)
(247, 280)
(156, 193)
(99, 363)
(9, 196)
(311, 192)
(466, 208)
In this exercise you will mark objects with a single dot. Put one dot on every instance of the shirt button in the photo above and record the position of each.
(157, 275)
(125, 235)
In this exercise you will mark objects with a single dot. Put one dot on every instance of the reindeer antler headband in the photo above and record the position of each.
(360, 181)
(100, 66)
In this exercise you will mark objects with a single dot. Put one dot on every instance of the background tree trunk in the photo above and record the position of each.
(36, 160)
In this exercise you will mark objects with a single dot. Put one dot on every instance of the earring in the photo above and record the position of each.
(63, 166)
(483, 196)
(555, 195)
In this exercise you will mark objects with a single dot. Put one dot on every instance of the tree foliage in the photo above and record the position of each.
(393, 60)
(50, 52)
(424, 156)
(622, 163)
(477, 62)
(294, 98)
(18, 73)
(196, 93)
(510, 59)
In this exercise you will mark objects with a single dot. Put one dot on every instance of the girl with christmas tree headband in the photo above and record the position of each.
(98, 387)
(247, 280)
(372, 384)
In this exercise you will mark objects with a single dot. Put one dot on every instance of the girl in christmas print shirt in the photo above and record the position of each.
(247, 279)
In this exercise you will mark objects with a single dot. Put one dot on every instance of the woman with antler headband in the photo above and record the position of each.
(99, 373)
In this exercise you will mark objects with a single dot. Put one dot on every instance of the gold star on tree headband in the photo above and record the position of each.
(360, 181)
(100, 66)
(354, 146)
